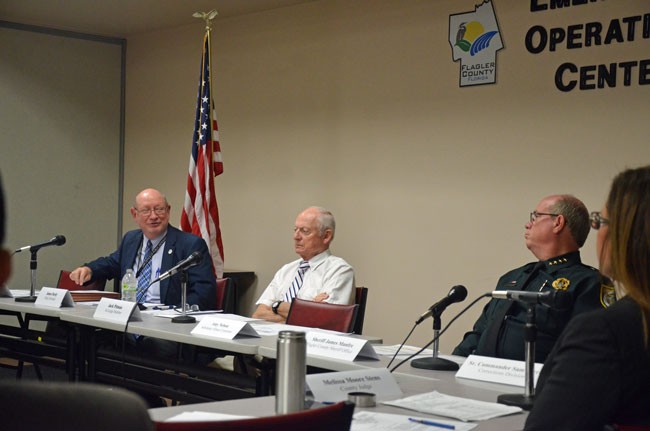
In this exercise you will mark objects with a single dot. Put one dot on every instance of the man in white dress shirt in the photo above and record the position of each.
(316, 276)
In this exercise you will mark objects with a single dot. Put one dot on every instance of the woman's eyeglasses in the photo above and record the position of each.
(597, 220)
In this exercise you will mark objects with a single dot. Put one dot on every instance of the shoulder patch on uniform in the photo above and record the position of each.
(561, 283)
(607, 295)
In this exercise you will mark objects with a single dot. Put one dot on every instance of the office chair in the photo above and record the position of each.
(360, 298)
(71, 406)
(329, 418)
(226, 295)
(64, 282)
(323, 315)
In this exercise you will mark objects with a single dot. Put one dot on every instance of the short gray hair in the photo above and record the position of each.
(325, 221)
(576, 214)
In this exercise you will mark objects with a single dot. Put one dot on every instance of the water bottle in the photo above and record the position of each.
(290, 371)
(129, 286)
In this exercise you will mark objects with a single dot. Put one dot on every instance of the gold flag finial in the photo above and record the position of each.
(207, 16)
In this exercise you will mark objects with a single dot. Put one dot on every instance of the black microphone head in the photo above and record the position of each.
(196, 257)
(561, 300)
(58, 240)
(458, 293)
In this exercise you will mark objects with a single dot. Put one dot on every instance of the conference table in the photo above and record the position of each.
(174, 381)
(412, 381)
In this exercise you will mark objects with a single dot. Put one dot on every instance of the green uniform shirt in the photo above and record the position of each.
(568, 273)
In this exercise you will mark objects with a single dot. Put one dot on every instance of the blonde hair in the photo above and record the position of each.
(628, 207)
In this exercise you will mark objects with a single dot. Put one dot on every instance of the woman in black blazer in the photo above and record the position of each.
(598, 374)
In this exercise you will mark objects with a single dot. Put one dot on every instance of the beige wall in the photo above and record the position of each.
(355, 105)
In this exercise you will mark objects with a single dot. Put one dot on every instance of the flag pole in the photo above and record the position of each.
(200, 211)
(207, 17)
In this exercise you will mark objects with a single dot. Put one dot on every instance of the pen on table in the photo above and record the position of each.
(163, 307)
(432, 423)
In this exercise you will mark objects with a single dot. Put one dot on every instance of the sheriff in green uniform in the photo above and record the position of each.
(557, 229)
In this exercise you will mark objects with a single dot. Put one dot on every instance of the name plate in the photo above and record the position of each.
(339, 347)
(495, 370)
(223, 327)
(333, 387)
(118, 311)
(51, 297)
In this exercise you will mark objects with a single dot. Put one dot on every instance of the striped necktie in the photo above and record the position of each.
(297, 282)
(145, 275)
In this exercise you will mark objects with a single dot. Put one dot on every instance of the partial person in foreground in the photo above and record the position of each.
(5, 256)
(557, 229)
(316, 276)
(598, 374)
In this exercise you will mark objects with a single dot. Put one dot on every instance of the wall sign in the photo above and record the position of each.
(475, 39)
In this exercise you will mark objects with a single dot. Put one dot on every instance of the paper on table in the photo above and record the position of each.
(464, 409)
(372, 421)
(404, 351)
(197, 416)
(266, 328)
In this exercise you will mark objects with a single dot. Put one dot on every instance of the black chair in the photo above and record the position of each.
(360, 298)
(36, 406)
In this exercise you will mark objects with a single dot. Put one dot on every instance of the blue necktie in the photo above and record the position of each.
(145, 275)
(297, 282)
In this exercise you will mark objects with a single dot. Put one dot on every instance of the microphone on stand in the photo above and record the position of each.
(436, 337)
(557, 299)
(456, 294)
(190, 261)
(57, 240)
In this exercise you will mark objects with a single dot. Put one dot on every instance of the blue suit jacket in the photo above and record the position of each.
(201, 283)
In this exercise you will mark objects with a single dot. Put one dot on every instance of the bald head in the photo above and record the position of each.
(151, 213)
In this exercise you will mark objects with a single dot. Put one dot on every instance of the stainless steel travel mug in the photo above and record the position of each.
(290, 370)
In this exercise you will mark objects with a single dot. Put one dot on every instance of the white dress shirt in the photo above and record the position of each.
(326, 274)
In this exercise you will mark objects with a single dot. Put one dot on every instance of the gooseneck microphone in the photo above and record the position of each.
(192, 260)
(57, 240)
(557, 299)
(434, 360)
(456, 294)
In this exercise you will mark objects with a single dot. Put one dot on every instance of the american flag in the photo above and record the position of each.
(200, 212)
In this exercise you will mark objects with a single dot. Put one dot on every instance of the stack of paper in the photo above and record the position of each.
(464, 409)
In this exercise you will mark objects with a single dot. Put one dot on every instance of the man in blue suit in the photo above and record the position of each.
(168, 247)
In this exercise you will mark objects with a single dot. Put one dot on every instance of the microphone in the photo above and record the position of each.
(192, 260)
(456, 294)
(57, 240)
(557, 299)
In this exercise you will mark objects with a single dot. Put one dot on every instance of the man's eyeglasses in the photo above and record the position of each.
(597, 220)
(534, 215)
(147, 212)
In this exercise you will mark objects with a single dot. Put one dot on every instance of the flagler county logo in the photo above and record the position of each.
(475, 39)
